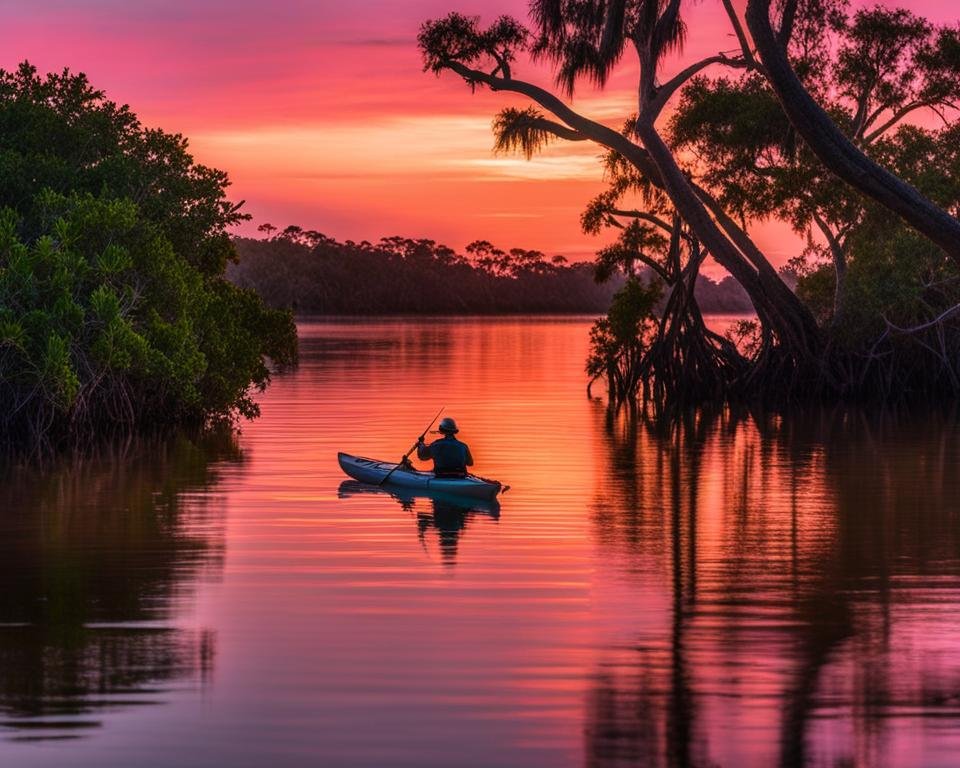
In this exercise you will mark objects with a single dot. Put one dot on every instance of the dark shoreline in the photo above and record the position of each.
(419, 277)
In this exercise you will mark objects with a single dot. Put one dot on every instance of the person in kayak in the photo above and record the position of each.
(450, 456)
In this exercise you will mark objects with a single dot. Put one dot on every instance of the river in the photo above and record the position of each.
(734, 590)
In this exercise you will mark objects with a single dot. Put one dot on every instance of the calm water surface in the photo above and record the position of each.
(735, 591)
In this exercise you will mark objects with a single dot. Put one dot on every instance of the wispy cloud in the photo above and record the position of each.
(375, 42)
(507, 215)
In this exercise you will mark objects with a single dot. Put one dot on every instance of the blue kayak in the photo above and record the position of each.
(373, 472)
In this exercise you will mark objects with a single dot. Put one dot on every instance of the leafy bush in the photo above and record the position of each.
(619, 340)
(114, 309)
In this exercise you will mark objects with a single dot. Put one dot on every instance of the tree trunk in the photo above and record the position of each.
(835, 150)
(779, 310)
(798, 320)
(839, 256)
(777, 306)
(840, 283)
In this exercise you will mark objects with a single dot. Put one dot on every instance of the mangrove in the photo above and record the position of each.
(115, 313)
(874, 310)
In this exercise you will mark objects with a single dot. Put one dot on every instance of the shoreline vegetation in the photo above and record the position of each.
(115, 315)
(311, 274)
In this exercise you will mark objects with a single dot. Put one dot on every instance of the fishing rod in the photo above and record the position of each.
(404, 459)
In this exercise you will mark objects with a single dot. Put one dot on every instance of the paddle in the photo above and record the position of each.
(404, 459)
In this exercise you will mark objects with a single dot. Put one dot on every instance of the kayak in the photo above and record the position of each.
(373, 472)
(442, 502)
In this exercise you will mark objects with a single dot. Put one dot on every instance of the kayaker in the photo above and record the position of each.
(450, 456)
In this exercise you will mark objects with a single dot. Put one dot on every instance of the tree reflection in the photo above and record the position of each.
(811, 563)
(97, 554)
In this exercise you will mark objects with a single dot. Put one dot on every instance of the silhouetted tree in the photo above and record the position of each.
(586, 40)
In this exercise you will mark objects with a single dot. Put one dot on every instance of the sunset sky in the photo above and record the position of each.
(323, 117)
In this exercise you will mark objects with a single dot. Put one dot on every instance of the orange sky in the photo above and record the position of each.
(323, 117)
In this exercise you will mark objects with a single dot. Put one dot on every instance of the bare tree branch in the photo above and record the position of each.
(786, 22)
(748, 57)
(636, 214)
(924, 326)
(664, 92)
(584, 126)
(895, 118)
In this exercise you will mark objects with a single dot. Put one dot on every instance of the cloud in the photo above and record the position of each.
(376, 42)
(542, 168)
(507, 215)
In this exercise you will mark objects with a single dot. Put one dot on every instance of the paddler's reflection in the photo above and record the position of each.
(448, 517)
(449, 521)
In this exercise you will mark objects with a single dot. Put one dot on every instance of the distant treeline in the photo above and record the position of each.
(314, 274)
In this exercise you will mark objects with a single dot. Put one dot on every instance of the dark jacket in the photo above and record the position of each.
(450, 456)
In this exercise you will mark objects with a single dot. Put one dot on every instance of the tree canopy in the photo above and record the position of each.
(885, 56)
(880, 67)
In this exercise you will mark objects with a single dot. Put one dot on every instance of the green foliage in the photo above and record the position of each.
(746, 336)
(586, 38)
(618, 340)
(113, 305)
(315, 274)
(895, 277)
(55, 373)
(59, 135)
(751, 158)
(638, 242)
(521, 130)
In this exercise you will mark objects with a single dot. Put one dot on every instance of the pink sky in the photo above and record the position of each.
(322, 116)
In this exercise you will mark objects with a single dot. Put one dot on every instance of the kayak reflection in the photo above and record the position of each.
(447, 515)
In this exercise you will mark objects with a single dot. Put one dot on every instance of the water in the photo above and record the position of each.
(737, 591)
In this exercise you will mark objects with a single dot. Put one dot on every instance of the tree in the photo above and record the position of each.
(114, 310)
(930, 78)
(620, 341)
(587, 40)
(749, 159)
(656, 245)
(900, 331)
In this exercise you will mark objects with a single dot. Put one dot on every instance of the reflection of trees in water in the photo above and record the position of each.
(51, 680)
(788, 541)
(96, 553)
